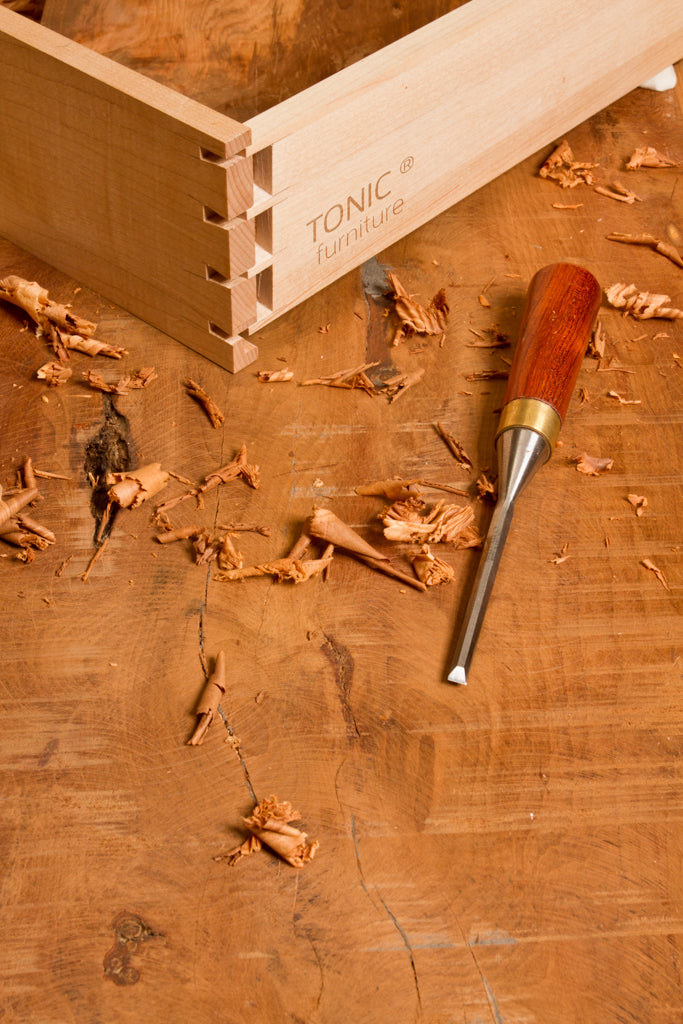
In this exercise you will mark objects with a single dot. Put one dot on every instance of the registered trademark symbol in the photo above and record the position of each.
(407, 165)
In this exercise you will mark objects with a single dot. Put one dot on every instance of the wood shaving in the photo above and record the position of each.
(97, 554)
(486, 489)
(497, 340)
(239, 467)
(592, 465)
(16, 502)
(648, 564)
(664, 248)
(622, 400)
(455, 447)
(54, 373)
(52, 319)
(135, 381)
(394, 387)
(355, 378)
(596, 345)
(293, 568)
(270, 825)
(647, 156)
(130, 489)
(430, 569)
(562, 556)
(392, 490)
(617, 191)
(567, 206)
(638, 502)
(325, 525)
(641, 305)
(209, 701)
(415, 318)
(561, 167)
(487, 375)
(273, 376)
(405, 521)
(206, 401)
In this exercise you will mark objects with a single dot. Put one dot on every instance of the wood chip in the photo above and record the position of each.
(592, 465)
(617, 191)
(354, 378)
(415, 318)
(638, 502)
(16, 502)
(274, 376)
(641, 305)
(647, 156)
(562, 168)
(392, 490)
(562, 556)
(648, 564)
(130, 489)
(54, 373)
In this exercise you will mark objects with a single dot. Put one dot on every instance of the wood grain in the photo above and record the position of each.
(510, 852)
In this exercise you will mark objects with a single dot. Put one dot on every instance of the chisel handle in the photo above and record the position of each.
(561, 306)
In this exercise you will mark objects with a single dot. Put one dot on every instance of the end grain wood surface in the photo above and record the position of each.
(506, 852)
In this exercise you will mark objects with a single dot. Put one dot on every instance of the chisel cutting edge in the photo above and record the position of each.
(561, 306)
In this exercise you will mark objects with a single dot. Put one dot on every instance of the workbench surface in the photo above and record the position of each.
(509, 851)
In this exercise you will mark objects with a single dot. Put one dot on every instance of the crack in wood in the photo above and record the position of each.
(392, 917)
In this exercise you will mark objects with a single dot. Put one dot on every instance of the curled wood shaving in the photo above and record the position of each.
(135, 381)
(239, 467)
(561, 167)
(455, 447)
(15, 503)
(273, 376)
(209, 701)
(206, 401)
(638, 502)
(415, 318)
(270, 825)
(63, 329)
(664, 248)
(294, 570)
(649, 564)
(355, 378)
(54, 373)
(394, 387)
(647, 156)
(641, 305)
(325, 525)
(617, 191)
(430, 569)
(405, 521)
(596, 345)
(592, 465)
(130, 489)
(486, 489)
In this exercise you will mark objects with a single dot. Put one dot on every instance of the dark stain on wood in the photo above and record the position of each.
(341, 660)
(108, 451)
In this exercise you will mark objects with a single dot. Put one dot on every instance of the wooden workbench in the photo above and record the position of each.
(505, 852)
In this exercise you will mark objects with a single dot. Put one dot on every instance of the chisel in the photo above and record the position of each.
(560, 310)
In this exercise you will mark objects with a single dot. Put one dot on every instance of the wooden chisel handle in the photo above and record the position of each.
(561, 306)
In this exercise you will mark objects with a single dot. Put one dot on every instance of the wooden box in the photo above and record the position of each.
(209, 228)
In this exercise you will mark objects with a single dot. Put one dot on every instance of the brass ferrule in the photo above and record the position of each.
(532, 413)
